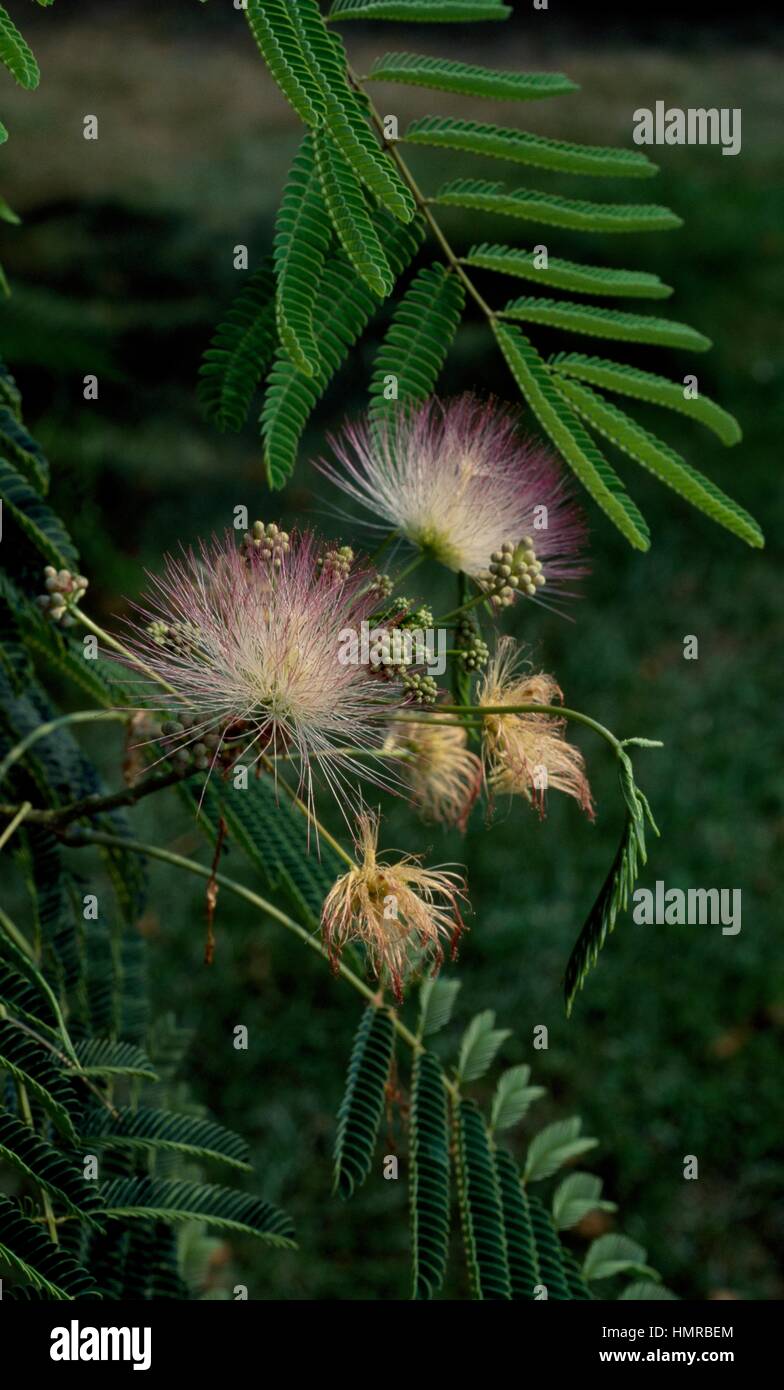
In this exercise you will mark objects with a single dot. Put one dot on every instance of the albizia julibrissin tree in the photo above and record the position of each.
(265, 673)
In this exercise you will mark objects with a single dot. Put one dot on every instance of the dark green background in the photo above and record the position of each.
(122, 267)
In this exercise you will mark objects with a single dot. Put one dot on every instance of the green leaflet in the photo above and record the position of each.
(567, 434)
(520, 1243)
(240, 351)
(554, 1146)
(576, 1197)
(99, 1057)
(302, 236)
(29, 1253)
(342, 309)
(362, 1105)
(647, 386)
(661, 460)
(174, 1202)
(420, 11)
(484, 1237)
(42, 527)
(549, 1253)
(513, 1097)
(616, 1254)
(34, 1068)
(147, 1129)
(346, 117)
(21, 449)
(272, 26)
(479, 1046)
(436, 1001)
(418, 339)
(555, 211)
(613, 897)
(274, 837)
(16, 54)
(519, 146)
(442, 74)
(40, 1162)
(568, 275)
(429, 1184)
(351, 218)
(606, 323)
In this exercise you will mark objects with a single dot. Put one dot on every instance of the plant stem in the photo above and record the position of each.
(20, 815)
(124, 651)
(82, 716)
(88, 837)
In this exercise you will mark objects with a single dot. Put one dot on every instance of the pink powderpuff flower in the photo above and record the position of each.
(248, 640)
(459, 482)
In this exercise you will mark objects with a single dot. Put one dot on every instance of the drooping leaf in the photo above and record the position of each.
(240, 352)
(520, 1244)
(302, 236)
(272, 26)
(41, 1163)
(417, 341)
(351, 218)
(42, 527)
(343, 308)
(35, 1260)
(566, 432)
(33, 1066)
(362, 1105)
(100, 1057)
(429, 1159)
(549, 1252)
(647, 386)
(481, 1209)
(661, 460)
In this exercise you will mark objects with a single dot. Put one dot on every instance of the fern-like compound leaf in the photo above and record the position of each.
(22, 450)
(343, 308)
(554, 211)
(661, 460)
(576, 1197)
(174, 1203)
(479, 1046)
(549, 1251)
(445, 75)
(147, 1130)
(520, 1243)
(346, 114)
(436, 1001)
(362, 1105)
(302, 236)
(101, 1057)
(39, 1162)
(605, 323)
(568, 275)
(351, 218)
(481, 1209)
(240, 352)
(16, 54)
(418, 339)
(272, 25)
(520, 147)
(613, 1254)
(24, 507)
(36, 1262)
(31, 1065)
(513, 1097)
(569, 437)
(421, 11)
(648, 386)
(429, 1158)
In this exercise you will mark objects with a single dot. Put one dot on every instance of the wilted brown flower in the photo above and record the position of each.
(525, 754)
(400, 912)
(442, 773)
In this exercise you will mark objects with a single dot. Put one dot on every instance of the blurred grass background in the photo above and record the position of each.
(122, 268)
